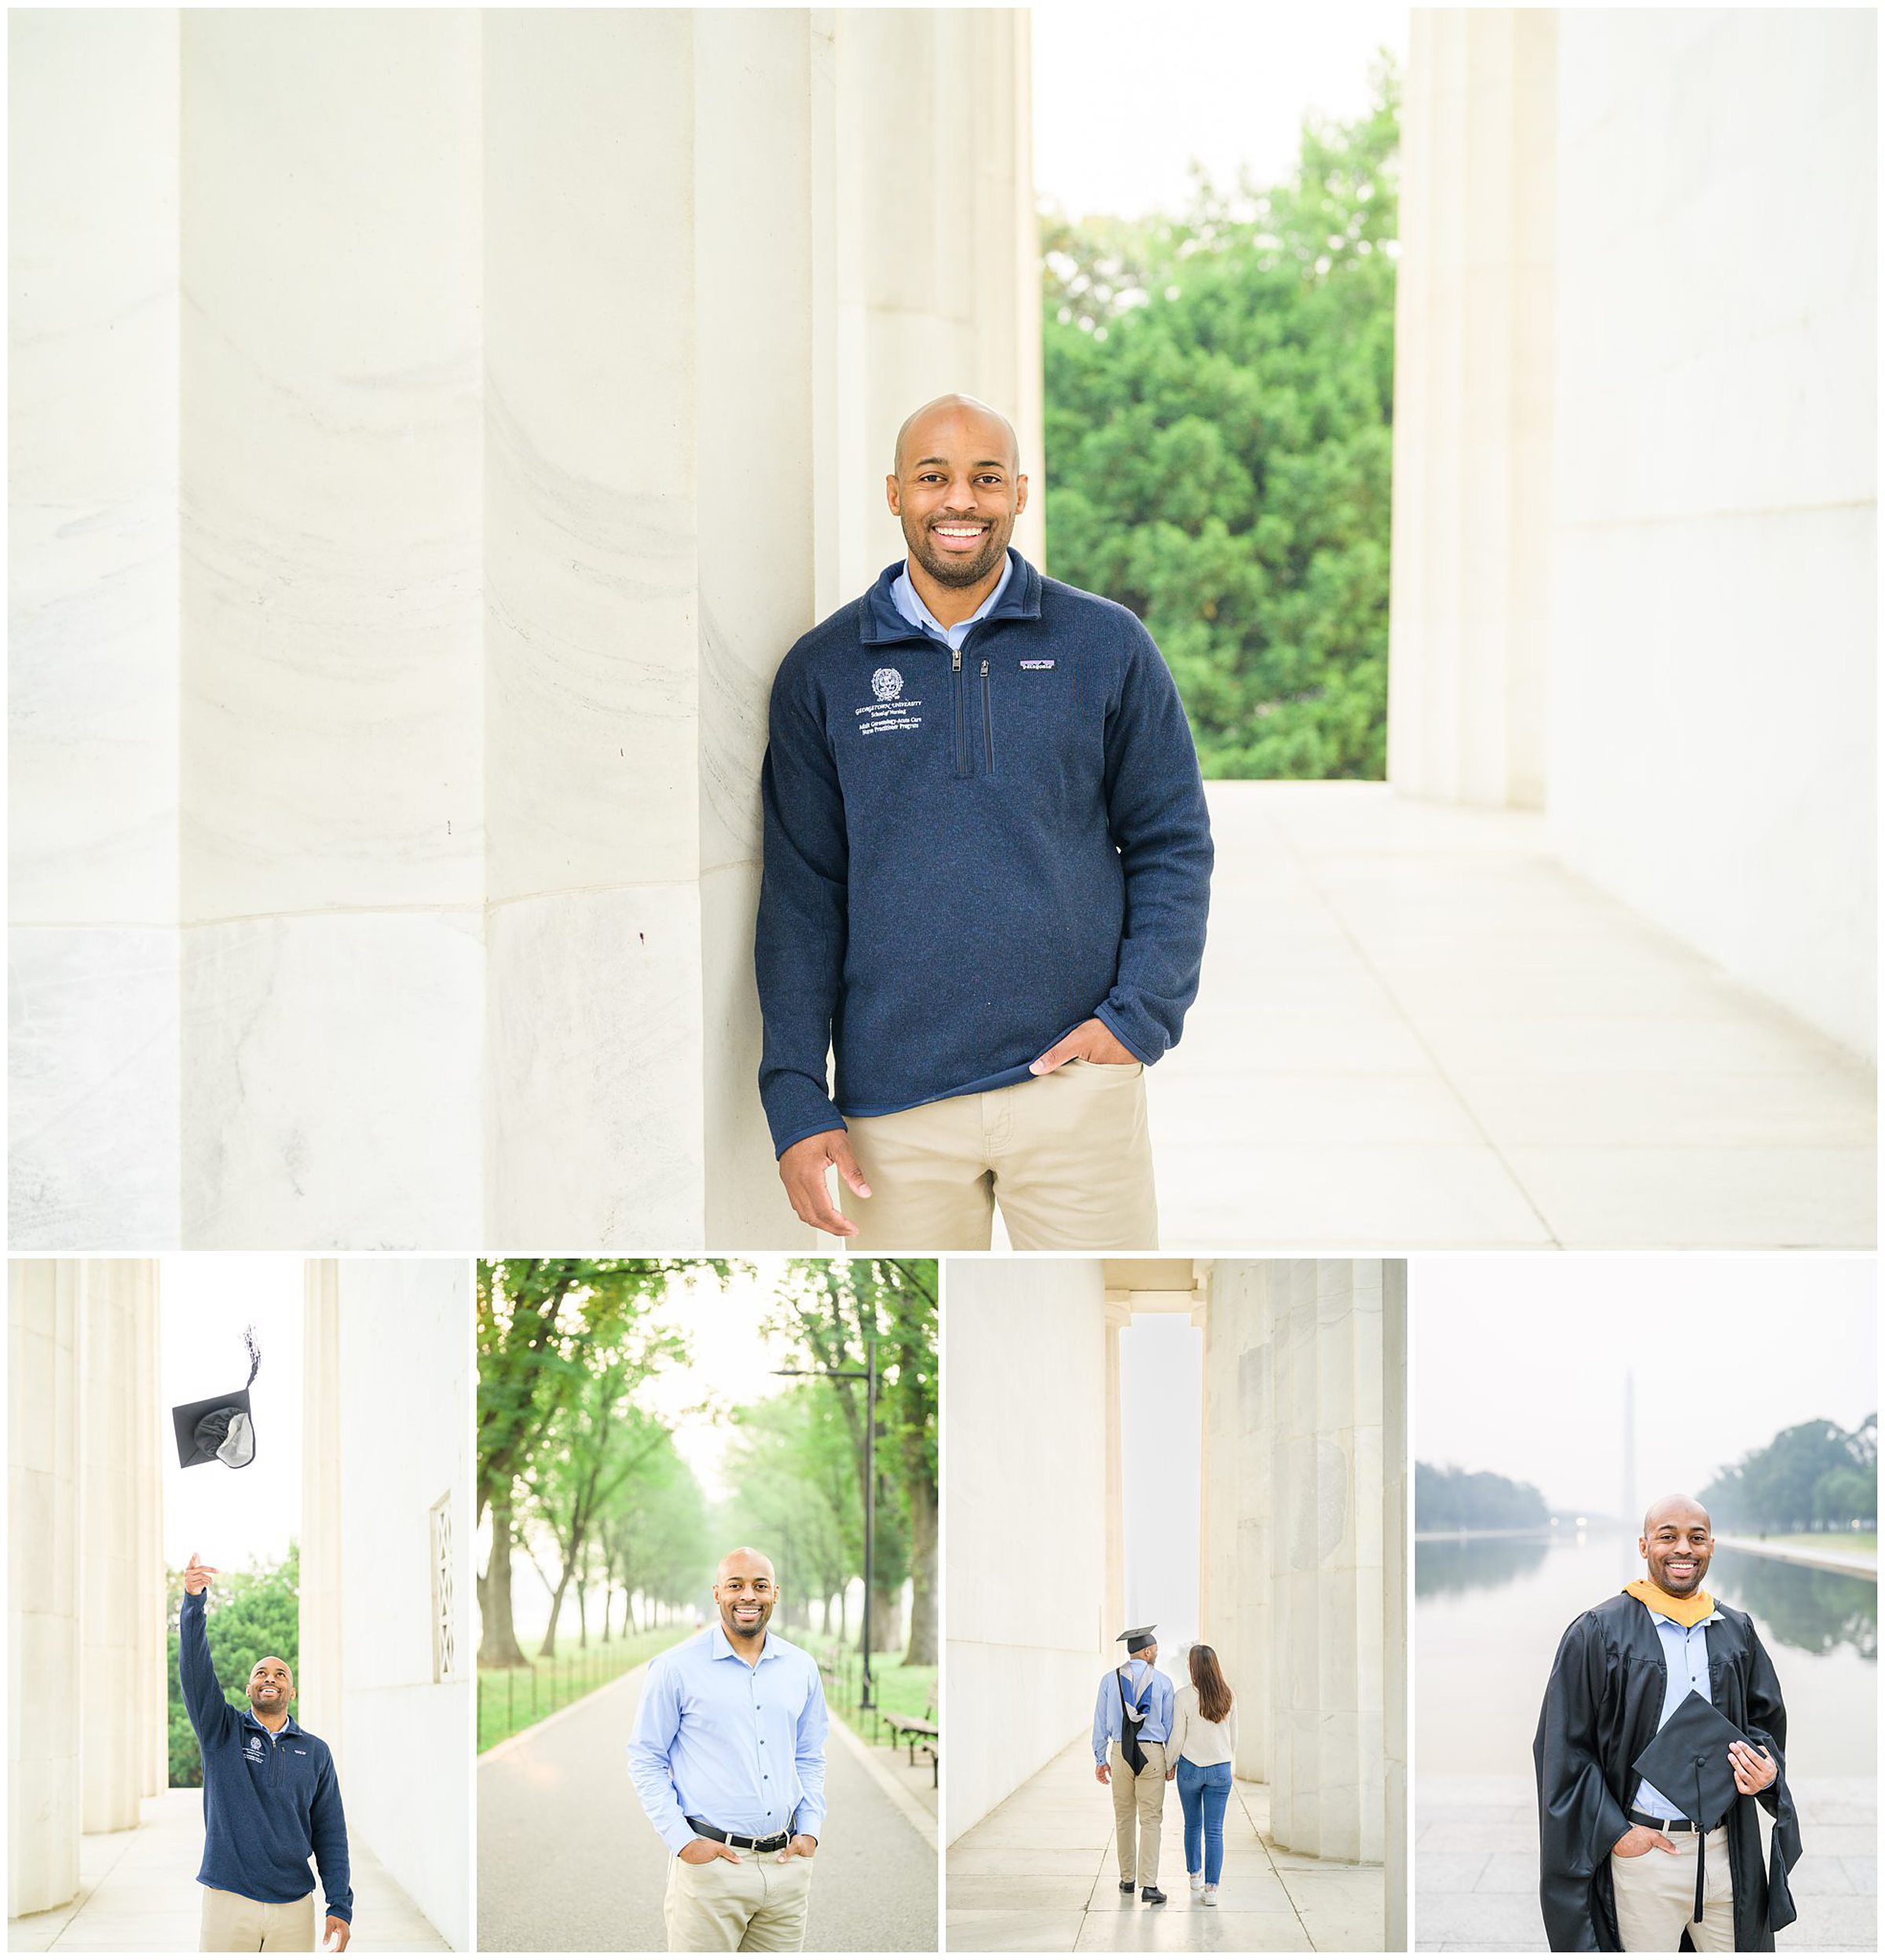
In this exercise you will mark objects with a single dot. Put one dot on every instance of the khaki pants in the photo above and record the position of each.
(1068, 1157)
(1138, 1813)
(758, 1906)
(233, 1924)
(1656, 1894)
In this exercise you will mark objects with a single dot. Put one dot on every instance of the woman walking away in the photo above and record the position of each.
(1204, 1740)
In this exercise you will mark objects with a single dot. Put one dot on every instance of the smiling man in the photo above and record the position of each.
(270, 1802)
(987, 867)
(728, 1759)
(1623, 1866)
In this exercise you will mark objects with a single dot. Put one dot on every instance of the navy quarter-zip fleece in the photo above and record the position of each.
(968, 855)
(270, 1802)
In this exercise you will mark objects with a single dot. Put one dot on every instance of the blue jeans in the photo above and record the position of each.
(1204, 1793)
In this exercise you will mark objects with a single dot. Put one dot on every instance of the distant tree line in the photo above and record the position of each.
(1449, 1500)
(1219, 395)
(1813, 1477)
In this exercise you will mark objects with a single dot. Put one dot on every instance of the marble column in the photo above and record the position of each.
(92, 638)
(45, 1311)
(319, 1682)
(1118, 1317)
(121, 1612)
(1469, 647)
(397, 648)
(1394, 1573)
(1234, 1587)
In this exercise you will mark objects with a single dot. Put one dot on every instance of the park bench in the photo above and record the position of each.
(920, 1733)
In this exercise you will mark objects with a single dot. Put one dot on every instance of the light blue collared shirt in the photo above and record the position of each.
(1155, 1699)
(740, 1747)
(1685, 1663)
(903, 595)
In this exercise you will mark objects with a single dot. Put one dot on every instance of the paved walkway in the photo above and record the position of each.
(1475, 1866)
(138, 1893)
(567, 1862)
(1416, 1029)
(1038, 1875)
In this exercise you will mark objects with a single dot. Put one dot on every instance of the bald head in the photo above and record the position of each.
(745, 1590)
(743, 1559)
(1677, 1543)
(929, 428)
(1675, 1505)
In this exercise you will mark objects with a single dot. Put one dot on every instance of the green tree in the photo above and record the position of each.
(831, 1309)
(1446, 1499)
(1813, 1475)
(537, 1320)
(252, 1613)
(1219, 410)
(651, 1533)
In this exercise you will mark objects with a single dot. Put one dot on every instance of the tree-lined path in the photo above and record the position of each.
(568, 1862)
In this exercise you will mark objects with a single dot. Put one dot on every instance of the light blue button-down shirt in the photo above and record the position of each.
(1685, 1663)
(903, 596)
(1156, 1700)
(739, 1747)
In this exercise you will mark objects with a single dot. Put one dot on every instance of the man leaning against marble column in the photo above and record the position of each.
(987, 868)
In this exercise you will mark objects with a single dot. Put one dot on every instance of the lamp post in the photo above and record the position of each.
(868, 1375)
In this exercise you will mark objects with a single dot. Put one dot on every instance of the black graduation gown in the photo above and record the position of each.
(1601, 1707)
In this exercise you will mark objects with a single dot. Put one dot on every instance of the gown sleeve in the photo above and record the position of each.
(1766, 1725)
(1579, 1819)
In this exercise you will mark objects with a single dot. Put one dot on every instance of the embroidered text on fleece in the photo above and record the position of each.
(968, 853)
(270, 1802)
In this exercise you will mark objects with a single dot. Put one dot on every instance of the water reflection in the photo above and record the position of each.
(1489, 1614)
(1798, 1606)
(1473, 1565)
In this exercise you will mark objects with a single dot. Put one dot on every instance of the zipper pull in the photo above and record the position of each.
(985, 670)
(955, 658)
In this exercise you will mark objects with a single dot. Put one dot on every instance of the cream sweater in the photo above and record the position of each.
(1195, 1739)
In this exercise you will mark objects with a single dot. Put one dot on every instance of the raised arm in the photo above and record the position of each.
(209, 1713)
(1162, 829)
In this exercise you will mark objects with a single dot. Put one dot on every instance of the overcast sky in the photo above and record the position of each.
(205, 1299)
(1125, 96)
(1518, 1362)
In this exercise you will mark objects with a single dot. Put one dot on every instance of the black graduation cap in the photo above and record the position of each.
(222, 1429)
(1138, 1639)
(1688, 1761)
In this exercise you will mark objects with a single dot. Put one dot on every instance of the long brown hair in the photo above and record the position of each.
(1214, 1696)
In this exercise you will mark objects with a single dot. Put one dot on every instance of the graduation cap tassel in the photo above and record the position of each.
(1701, 1843)
(249, 1341)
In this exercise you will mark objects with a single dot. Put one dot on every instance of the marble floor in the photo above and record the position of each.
(138, 1893)
(1038, 1875)
(1416, 1028)
(1475, 1866)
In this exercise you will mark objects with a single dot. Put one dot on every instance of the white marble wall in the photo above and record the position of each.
(1306, 1648)
(1471, 619)
(534, 368)
(1395, 1575)
(121, 1610)
(1025, 1440)
(87, 1689)
(93, 640)
(368, 1685)
(44, 1782)
(1713, 725)
(1635, 469)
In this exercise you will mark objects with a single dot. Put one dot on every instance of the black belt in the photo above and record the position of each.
(701, 1829)
(1641, 1817)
